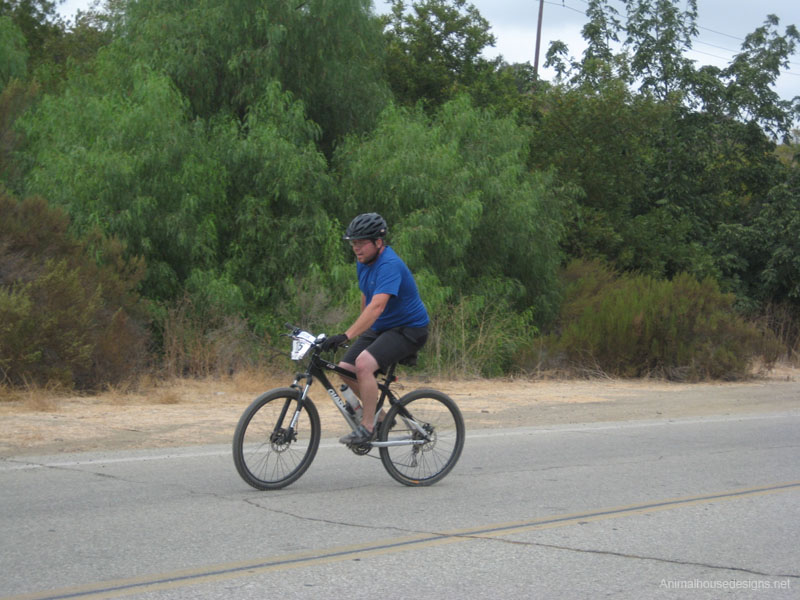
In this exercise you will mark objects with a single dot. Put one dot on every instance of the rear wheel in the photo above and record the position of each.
(434, 423)
(268, 453)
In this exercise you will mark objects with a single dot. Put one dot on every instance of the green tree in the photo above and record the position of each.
(126, 159)
(37, 20)
(761, 257)
(333, 61)
(664, 169)
(15, 99)
(464, 210)
(656, 180)
(608, 143)
(78, 43)
(434, 50)
(600, 61)
(15, 96)
(214, 52)
(789, 150)
(749, 94)
(278, 188)
(600, 32)
(510, 89)
(13, 51)
(212, 206)
(657, 35)
(221, 55)
(653, 40)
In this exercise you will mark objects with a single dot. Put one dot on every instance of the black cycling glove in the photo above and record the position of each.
(333, 342)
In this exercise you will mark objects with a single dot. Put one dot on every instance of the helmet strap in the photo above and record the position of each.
(379, 252)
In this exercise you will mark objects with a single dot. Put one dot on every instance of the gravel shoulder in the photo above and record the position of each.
(198, 412)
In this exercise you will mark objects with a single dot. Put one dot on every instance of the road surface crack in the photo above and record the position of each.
(69, 468)
(673, 561)
(345, 523)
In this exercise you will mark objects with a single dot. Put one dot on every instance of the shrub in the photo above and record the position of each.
(69, 313)
(635, 325)
(783, 319)
(475, 336)
(202, 341)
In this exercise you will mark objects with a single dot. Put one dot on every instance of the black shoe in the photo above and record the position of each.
(360, 435)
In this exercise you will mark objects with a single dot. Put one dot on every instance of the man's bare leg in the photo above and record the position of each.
(365, 368)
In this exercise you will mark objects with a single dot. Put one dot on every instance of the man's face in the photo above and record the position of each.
(365, 250)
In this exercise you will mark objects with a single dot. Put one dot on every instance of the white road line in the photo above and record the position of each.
(23, 463)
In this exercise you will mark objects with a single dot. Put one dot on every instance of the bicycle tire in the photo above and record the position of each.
(420, 465)
(263, 456)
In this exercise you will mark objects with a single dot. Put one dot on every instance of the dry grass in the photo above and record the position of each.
(33, 398)
(257, 380)
(150, 390)
(51, 398)
(166, 397)
(35, 401)
(146, 390)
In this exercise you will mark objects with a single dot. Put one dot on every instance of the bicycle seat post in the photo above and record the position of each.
(389, 378)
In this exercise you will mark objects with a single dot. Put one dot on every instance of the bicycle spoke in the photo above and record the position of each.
(266, 453)
(433, 420)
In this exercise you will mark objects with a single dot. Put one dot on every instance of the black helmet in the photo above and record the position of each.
(369, 226)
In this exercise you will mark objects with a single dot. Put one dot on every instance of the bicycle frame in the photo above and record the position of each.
(317, 368)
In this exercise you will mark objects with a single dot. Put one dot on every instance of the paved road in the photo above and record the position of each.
(689, 508)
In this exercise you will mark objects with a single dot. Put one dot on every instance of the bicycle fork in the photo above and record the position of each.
(296, 416)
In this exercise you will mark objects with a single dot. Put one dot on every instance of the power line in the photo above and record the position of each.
(709, 54)
(735, 37)
(733, 52)
(562, 4)
(715, 46)
(721, 33)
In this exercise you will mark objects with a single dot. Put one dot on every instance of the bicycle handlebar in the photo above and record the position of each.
(318, 339)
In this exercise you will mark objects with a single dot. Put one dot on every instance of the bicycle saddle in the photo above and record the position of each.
(409, 361)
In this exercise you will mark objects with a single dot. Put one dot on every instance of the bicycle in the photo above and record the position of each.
(419, 440)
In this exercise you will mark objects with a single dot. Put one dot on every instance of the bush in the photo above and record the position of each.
(68, 310)
(475, 337)
(783, 319)
(201, 341)
(635, 325)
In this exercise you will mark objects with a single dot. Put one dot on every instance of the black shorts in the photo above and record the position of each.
(388, 347)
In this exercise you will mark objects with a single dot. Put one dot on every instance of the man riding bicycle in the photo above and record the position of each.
(393, 323)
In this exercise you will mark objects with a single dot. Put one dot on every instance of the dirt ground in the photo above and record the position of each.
(192, 412)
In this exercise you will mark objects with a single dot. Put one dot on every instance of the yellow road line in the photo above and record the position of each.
(211, 573)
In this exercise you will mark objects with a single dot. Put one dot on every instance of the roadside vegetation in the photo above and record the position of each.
(175, 176)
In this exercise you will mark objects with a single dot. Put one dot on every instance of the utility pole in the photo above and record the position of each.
(538, 39)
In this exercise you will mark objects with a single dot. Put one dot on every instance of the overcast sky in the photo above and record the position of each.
(723, 25)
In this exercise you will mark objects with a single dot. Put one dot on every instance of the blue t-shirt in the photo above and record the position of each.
(390, 275)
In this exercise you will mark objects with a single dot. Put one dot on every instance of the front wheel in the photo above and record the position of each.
(268, 452)
(429, 430)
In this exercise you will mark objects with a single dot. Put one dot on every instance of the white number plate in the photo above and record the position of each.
(301, 345)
